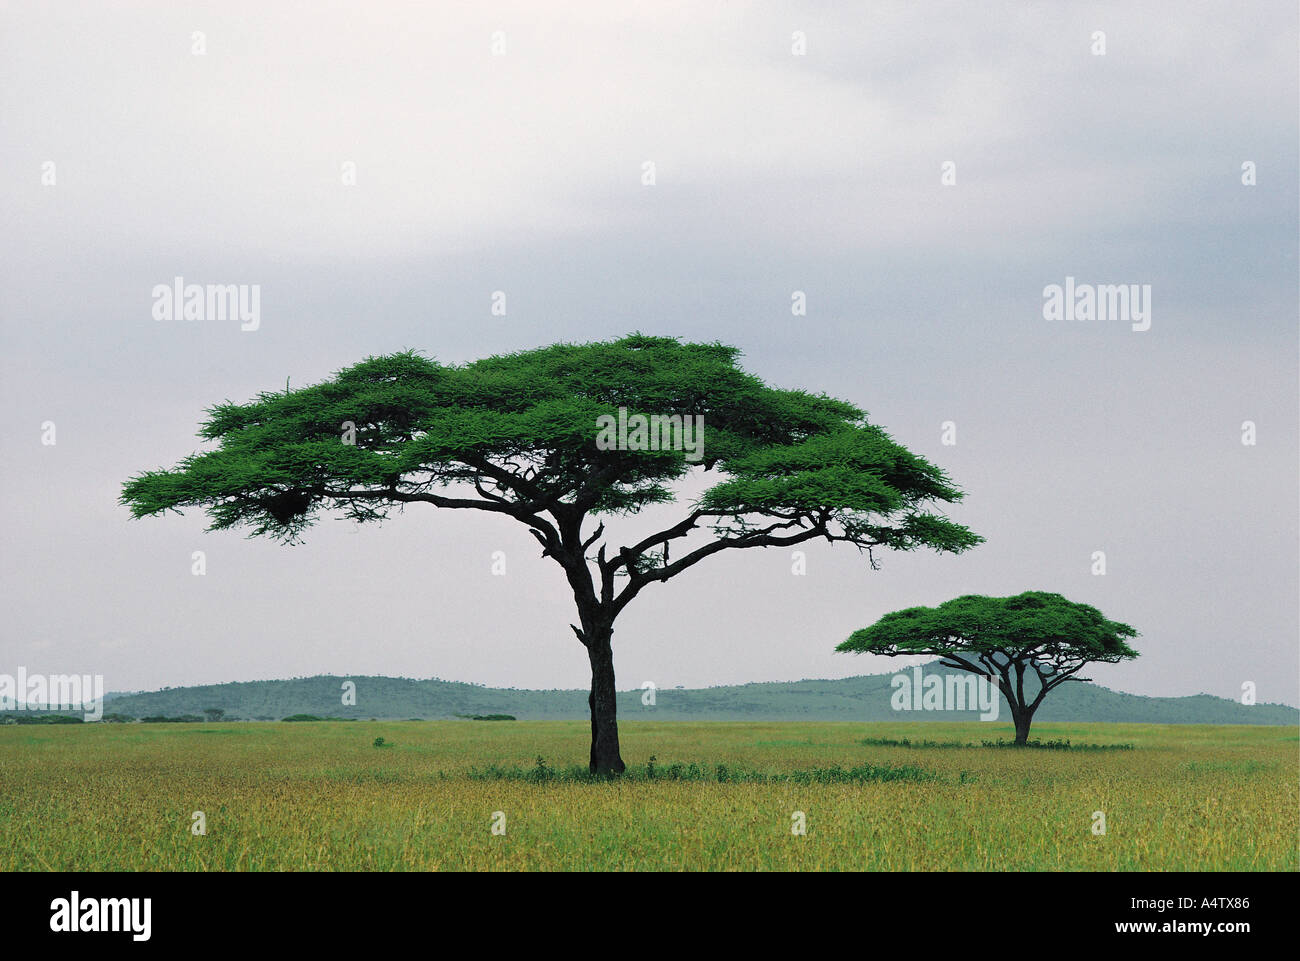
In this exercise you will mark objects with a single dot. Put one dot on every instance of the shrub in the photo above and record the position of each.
(542, 773)
(487, 717)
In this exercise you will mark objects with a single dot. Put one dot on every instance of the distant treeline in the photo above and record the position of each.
(863, 698)
(39, 717)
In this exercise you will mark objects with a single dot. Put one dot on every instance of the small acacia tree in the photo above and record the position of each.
(1002, 638)
(517, 435)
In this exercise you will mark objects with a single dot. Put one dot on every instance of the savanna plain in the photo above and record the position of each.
(484, 795)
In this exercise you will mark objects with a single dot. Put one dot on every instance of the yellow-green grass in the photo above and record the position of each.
(320, 796)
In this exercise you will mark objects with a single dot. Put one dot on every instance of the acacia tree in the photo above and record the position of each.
(1003, 638)
(517, 435)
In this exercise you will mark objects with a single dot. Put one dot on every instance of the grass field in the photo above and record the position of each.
(321, 796)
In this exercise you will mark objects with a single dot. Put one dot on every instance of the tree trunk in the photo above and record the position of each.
(605, 758)
(1022, 716)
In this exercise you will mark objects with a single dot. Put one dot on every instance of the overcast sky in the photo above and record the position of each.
(522, 171)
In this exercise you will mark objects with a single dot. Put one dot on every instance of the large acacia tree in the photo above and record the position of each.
(1004, 639)
(517, 434)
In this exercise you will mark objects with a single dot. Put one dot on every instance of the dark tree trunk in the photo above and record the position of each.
(1022, 716)
(1022, 712)
(605, 758)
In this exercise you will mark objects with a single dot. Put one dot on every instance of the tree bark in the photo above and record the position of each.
(605, 757)
(1022, 716)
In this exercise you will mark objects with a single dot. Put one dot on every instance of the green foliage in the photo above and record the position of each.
(488, 717)
(542, 773)
(908, 742)
(1035, 623)
(1061, 744)
(39, 717)
(521, 429)
(379, 742)
(303, 717)
(180, 719)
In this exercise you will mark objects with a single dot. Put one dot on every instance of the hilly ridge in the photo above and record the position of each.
(862, 698)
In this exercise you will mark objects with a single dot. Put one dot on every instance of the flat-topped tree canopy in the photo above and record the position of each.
(522, 426)
(519, 434)
(1002, 637)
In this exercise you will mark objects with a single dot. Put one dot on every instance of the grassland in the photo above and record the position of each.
(321, 796)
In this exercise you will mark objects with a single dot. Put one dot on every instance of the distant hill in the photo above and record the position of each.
(865, 698)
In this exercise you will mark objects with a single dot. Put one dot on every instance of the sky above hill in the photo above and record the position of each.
(379, 171)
